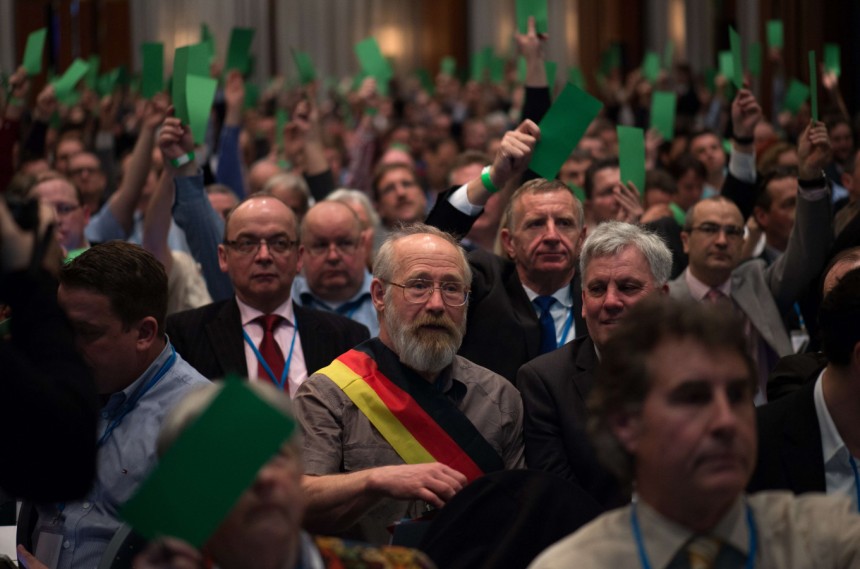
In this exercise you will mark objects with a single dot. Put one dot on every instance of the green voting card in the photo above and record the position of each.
(775, 34)
(796, 95)
(651, 66)
(631, 156)
(536, 8)
(737, 75)
(199, 479)
(575, 76)
(668, 55)
(754, 59)
(448, 66)
(33, 51)
(199, 95)
(727, 65)
(678, 214)
(238, 52)
(305, 66)
(832, 58)
(207, 39)
(92, 76)
(66, 84)
(663, 113)
(152, 80)
(561, 128)
(813, 84)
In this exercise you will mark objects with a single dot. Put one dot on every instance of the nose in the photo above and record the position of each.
(435, 302)
(612, 300)
(724, 415)
(551, 232)
(332, 253)
(263, 253)
(721, 239)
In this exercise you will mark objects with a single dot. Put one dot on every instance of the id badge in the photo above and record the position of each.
(799, 340)
(48, 546)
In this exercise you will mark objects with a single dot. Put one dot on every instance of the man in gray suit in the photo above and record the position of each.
(713, 239)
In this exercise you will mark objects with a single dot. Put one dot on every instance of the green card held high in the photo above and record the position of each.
(832, 58)
(561, 128)
(66, 84)
(305, 66)
(536, 8)
(373, 63)
(238, 52)
(663, 113)
(201, 476)
(737, 76)
(775, 34)
(813, 85)
(33, 52)
(631, 156)
(152, 80)
(199, 95)
(795, 96)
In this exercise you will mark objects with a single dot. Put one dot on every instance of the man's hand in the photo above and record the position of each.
(433, 483)
(16, 245)
(813, 150)
(234, 97)
(155, 111)
(630, 209)
(168, 553)
(746, 114)
(46, 104)
(28, 560)
(530, 45)
(175, 140)
(515, 153)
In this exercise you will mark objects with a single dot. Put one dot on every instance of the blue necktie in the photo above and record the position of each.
(547, 324)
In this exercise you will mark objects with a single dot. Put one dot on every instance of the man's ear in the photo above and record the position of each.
(760, 217)
(147, 332)
(626, 427)
(507, 242)
(685, 239)
(377, 294)
(222, 257)
(855, 357)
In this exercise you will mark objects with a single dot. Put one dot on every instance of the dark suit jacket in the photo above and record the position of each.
(789, 448)
(502, 330)
(210, 337)
(554, 388)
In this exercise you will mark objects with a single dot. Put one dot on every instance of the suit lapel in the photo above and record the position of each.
(225, 335)
(802, 451)
(308, 333)
(586, 360)
(524, 313)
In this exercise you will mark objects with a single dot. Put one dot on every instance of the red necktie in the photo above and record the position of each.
(269, 348)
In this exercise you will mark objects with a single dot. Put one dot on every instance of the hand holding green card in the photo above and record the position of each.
(373, 63)
(737, 76)
(536, 8)
(238, 52)
(66, 84)
(33, 52)
(663, 113)
(775, 34)
(795, 97)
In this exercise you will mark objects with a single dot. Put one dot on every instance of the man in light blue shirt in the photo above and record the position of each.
(332, 254)
(115, 296)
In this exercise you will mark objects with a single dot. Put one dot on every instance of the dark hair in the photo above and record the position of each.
(624, 376)
(839, 319)
(764, 199)
(132, 279)
(684, 163)
(660, 180)
(468, 158)
(383, 169)
(592, 171)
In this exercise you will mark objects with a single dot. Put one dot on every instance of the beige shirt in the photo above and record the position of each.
(803, 532)
(338, 437)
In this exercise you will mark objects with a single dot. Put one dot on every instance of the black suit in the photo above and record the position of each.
(502, 331)
(789, 448)
(210, 337)
(554, 388)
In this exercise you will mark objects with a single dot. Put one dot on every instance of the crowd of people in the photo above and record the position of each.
(674, 361)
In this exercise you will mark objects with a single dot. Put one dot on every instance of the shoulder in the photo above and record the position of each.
(197, 315)
(605, 542)
(353, 555)
(551, 367)
(474, 375)
(308, 319)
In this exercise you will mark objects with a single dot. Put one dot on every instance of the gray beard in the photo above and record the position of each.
(428, 351)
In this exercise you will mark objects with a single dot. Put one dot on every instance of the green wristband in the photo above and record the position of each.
(182, 160)
(487, 181)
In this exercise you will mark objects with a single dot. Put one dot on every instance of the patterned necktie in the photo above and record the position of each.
(702, 552)
(547, 324)
(269, 348)
(715, 296)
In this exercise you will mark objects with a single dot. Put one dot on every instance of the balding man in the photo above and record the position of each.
(70, 215)
(334, 276)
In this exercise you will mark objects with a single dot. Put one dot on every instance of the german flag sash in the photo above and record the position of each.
(419, 422)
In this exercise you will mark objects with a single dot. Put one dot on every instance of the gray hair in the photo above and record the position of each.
(385, 264)
(540, 186)
(196, 401)
(347, 196)
(612, 237)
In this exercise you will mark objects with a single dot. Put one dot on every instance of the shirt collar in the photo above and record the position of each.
(249, 314)
(832, 445)
(663, 537)
(698, 289)
(303, 293)
(562, 296)
(116, 400)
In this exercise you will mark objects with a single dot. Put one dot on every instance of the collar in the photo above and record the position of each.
(450, 386)
(563, 296)
(663, 537)
(116, 400)
(832, 445)
(302, 292)
(248, 314)
(698, 289)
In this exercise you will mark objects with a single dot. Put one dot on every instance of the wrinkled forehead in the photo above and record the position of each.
(419, 254)
(716, 211)
(261, 214)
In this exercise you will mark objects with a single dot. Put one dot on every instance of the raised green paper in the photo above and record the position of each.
(832, 58)
(754, 59)
(152, 76)
(66, 84)
(180, 72)
(678, 214)
(199, 479)
(305, 66)
(796, 95)
(208, 40)
(727, 65)
(238, 52)
(33, 51)
(448, 66)
(199, 93)
(737, 76)
(775, 34)
(561, 128)
(536, 8)
(371, 60)
(92, 76)
(651, 66)
(575, 76)
(813, 84)
(668, 55)
(631, 156)
(663, 113)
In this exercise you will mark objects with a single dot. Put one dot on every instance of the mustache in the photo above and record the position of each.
(434, 320)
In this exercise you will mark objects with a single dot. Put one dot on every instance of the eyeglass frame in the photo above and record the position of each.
(714, 229)
(258, 243)
(405, 286)
(338, 246)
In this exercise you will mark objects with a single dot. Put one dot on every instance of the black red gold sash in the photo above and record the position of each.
(419, 422)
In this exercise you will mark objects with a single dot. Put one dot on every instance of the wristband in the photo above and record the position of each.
(182, 160)
(487, 181)
(814, 183)
(743, 140)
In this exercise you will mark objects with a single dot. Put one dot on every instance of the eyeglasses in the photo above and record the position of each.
(250, 246)
(419, 291)
(91, 170)
(63, 209)
(343, 246)
(731, 231)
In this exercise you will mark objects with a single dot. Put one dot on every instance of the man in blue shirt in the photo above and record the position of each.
(115, 296)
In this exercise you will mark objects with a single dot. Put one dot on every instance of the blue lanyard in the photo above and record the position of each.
(643, 555)
(853, 464)
(265, 364)
(567, 326)
(800, 320)
(132, 402)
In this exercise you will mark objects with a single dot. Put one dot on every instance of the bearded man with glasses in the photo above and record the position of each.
(759, 294)
(261, 333)
(398, 425)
